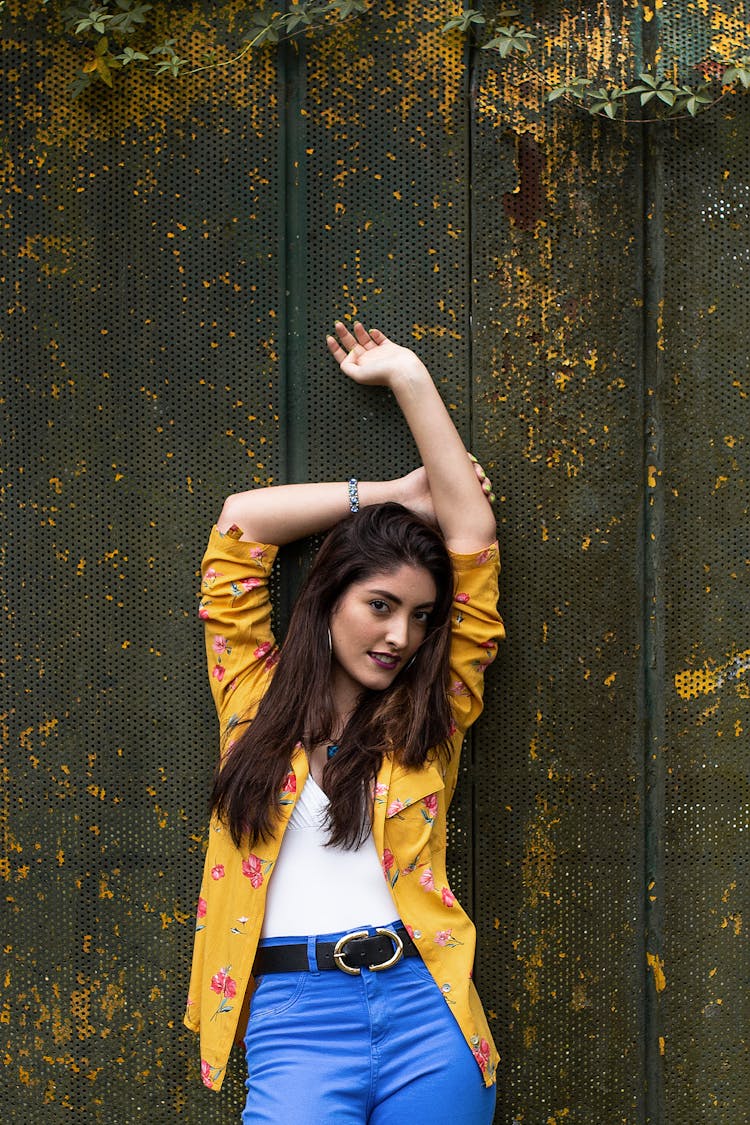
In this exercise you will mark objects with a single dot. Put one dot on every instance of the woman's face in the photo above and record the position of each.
(376, 627)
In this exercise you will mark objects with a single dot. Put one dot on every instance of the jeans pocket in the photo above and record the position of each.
(276, 993)
(417, 967)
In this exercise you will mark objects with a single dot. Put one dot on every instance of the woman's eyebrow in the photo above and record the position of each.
(399, 601)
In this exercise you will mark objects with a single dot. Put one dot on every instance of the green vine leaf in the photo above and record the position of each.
(264, 28)
(510, 39)
(301, 18)
(740, 70)
(102, 63)
(129, 56)
(95, 21)
(347, 8)
(469, 18)
(131, 16)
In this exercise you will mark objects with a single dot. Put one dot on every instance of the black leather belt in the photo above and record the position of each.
(350, 953)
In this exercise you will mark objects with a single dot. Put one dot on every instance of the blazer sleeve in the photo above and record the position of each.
(235, 608)
(476, 629)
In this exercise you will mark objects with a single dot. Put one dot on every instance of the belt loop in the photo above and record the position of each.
(312, 959)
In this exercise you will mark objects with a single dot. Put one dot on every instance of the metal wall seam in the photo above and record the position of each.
(653, 623)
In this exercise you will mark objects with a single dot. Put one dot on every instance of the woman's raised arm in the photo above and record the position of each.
(287, 512)
(460, 505)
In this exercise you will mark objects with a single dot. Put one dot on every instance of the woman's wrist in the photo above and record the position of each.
(377, 492)
(410, 377)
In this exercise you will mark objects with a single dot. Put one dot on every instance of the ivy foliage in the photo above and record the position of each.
(114, 34)
(714, 77)
(117, 34)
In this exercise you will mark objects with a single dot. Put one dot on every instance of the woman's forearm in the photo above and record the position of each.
(286, 512)
(461, 508)
(459, 504)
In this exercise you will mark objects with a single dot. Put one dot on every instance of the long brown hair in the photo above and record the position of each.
(410, 718)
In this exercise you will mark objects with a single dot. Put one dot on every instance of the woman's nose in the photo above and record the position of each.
(398, 632)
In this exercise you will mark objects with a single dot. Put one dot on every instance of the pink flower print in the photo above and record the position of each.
(262, 650)
(252, 869)
(446, 939)
(486, 554)
(426, 879)
(480, 1049)
(202, 908)
(288, 789)
(217, 872)
(219, 644)
(431, 804)
(203, 613)
(448, 897)
(409, 930)
(464, 599)
(388, 867)
(225, 985)
(453, 727)
(210, 577)
(272, 659)
(257, 552)
(490, 645)
(394, 808)
(249, 584)
(218, 672)
(290, 784)
(206, 1074)
(458, 687)
(378, 792)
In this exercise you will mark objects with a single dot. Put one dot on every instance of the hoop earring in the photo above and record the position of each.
(409, 663)
(330, 642)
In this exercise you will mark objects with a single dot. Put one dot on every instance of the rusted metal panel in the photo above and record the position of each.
(559, 404)
(706, 581)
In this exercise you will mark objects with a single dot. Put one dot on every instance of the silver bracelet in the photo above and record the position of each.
(353, 495)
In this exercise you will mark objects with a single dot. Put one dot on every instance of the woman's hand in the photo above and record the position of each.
(414, 491)
(371, 358)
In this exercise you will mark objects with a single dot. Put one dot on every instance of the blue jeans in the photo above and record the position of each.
(381, 1048)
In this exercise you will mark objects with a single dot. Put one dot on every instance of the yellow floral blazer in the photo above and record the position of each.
(409, 806)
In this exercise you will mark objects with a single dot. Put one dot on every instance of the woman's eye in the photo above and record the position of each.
(422, 616)
(378, 605)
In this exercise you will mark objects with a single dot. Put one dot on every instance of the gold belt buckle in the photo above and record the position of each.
(339, 954)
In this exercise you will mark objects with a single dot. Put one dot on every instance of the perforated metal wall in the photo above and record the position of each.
(172, 256)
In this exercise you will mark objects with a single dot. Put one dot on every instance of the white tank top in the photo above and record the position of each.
(320, 890)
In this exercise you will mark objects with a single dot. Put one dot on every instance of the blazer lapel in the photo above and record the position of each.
(380, 802)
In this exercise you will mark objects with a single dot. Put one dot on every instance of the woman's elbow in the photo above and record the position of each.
(232, 513)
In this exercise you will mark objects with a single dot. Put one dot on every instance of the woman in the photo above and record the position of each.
(325, 893)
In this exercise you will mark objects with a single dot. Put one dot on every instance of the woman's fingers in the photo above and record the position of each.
(345, 342)
(483, 479)
(363, 336)
(344, 335)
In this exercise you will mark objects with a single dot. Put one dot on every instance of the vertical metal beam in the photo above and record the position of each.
(292, 331)
(654, 729)
(293, 62)
(469, 100)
